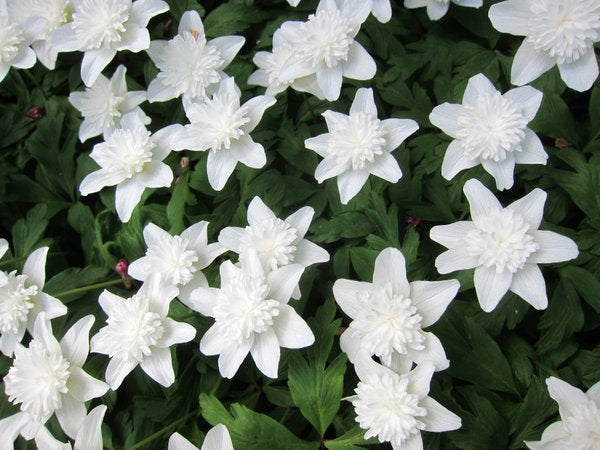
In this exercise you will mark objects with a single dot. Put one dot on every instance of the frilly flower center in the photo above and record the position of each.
(15, 302)
(127, 151)
(327, 38)
(492, 128)
(100, 23)
(10, 38)
(37, 380)
(172, 258)
(273, 240)
(502, 240)
(583, 427)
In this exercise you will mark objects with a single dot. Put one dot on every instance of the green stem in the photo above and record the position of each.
(12, 260)
(162, 431)
(87, 288)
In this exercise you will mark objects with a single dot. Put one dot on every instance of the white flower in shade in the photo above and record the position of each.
(138, 331)
(557, 32)
(325, 46)
(178, 260)
(47, 378)
(14, 44)
(579, 427)
(436, 9)
(396, 408)
(358, 145)
(104, 104)
(221, 126)
(217, 438)
(22, 300)
(490, 129)
(100, 28)
(131, 158)
(189, 65)
(388, 315)
(504, 246)
(251, 315)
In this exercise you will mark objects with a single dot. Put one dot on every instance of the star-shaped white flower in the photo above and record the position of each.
(579, 427)
(104, 104)
(14, 44)
(100, 28)
(389, 314)
(490, 129)
(557, 32)
(189, 65)
(252, 315)
(436, 9)
(138, 331)
(47, 378)
(22, 300)
(221, 126)
(178, 260)
(504, 246)
(358, 145)
(217, 438)
(131, 158)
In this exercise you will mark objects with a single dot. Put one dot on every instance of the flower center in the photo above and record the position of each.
(583, 427)
(502, 240)
(273, 240)
(564, 29)
(357, 140)
(10, 38)
(102, 104)
(492, 128)
(327, 38)
(100, 23)
(37, 380)
(126, 151)
(386, 409)
(15, 302)
(172, 259)
(388, 322)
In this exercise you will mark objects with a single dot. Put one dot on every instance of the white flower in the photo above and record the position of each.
(217, 438)
(358, 145)
(14, 44)
(104, 104)
(138, 331)
(579, 427)
(100, 28)
(189, 65)
(251, 316)
(223, 127)
(325, 46)
(490, 129)
(396, 408)
(436, 9)
(47, 378)
(389, 314)
(178, 260)
(131, 158)
(504, 246)
(22, 301)
(557, 32)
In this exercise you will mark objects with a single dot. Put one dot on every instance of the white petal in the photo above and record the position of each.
(94, 61)
(455, 160)
(256, 107)
(300, 220)
(438, 417)
(35, 267)
(569, 398)
(8, 340)
(502, 171)
(228, 46)
(219, 167)
(360, 65)
(433, 353)
(175, 333)
(283, 280)
(414, 442)
(329, 80)
(386, 167)
(10, 427)
(143, 10)
(117, 370)
(3, 247)
(291, 329)
(364, 102)
(135, 39)
(156, 174)
(328, 168)
(190, 20)
(217, 438)
(444, 117)
(248, 152)
(64, 39)
(420, 379)
(529, 64)
(109, 302)
(478, 86)
(350, 183)
(128, 194)
(581, 74)
(159, 366)
(511, 16)
(160, 92)
(232, 356)
(24, 59)
(481, 200)
(455, 259)
(212, 342)
(554, 247)
(532, 150)
(452, 235)
(528, 98)
(347, 294)
(491, 286)
(528, 283)
(89, 436)
(436, 10)
(265, 353)
(75, 343)
(83, 387)
(178, 442)
(530, 207)
(89, 129)
(258, 212)
(42, 332)
(70, 415)
(308, 253)
(230, 238)
(390, 267)
(382, 10)
(97, 180)
(397, 130)
(431, 298)
(319, 144)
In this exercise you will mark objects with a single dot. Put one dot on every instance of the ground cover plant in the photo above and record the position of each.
(299, 225)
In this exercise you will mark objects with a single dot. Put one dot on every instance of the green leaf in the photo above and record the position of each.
(74, 277)
(363, 261)
(231, 18)
(350, 439)
(176, 205)
(586, 284)
(27, 232)
(349, 224)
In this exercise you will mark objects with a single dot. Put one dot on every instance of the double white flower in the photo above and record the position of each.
(14, 43)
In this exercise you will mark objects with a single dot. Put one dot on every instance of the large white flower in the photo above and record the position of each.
(104, 104)
(251, 316)
(100, 28)
(579, 427)
(388, 315)
(358, 145)
(557, 32)
(22, 300)
(178, 260)
(47, 378)
(131, 158)
(189, 65)
(138, 331)
(14, 44)
(490, 129)
(504, 246)
(221, 126)
(217, 438)
(436, 9)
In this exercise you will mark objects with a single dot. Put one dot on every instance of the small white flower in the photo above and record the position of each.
(189, 65)
(251, 316)
(436, 9)
(358, 145)
(221, 126)
(579, 427)
(138, 331)
(22, 301)
(504, 246)
(178, 260)
(217, 438)
(131, 158)
(100, 28)
(490, 129)
(14, 44)
(557, 32)
(104, 104)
